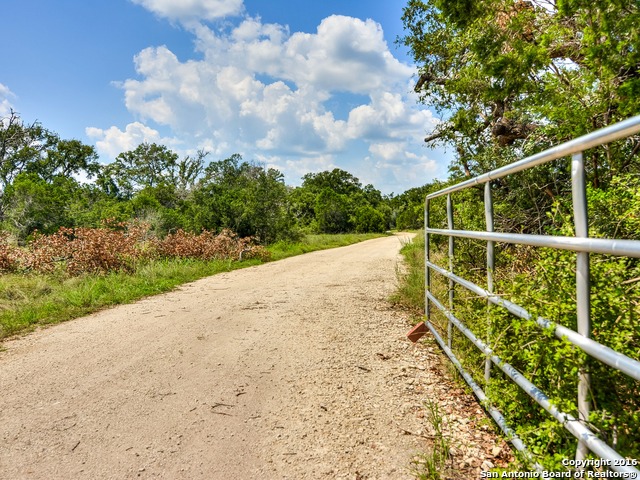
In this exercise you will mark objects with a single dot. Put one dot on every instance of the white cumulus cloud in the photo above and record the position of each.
(391, 165)
(187, 10)
(113, 141)
(5, 103)
(261, 90)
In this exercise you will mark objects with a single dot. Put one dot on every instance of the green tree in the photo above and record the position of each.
(36, 176)
(34, 149)
(333, 212)
(187, 173)
(161, 207)
(31, 203)
(149, 165)
(335, 201)
(513, 77)
(372, 195)
(66, 158)
(20, 146)
(302, 203)
(368, 219)
(249, 199)
(90, 205)
(340, 181)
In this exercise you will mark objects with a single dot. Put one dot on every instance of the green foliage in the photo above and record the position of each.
(543, 281)
(21, 145)
(64, 159)
(149, 165)
(552, 364)
(31, 203)
(615, 211)
(410, 218)
(514, 77)
(302, 207)
(337, 180)
(244, 197)
(336, 202)
(36, 176)
(39, 191)
(90, 206)
(33, 149)
(332, 212)
(409, 207)
(368, 219)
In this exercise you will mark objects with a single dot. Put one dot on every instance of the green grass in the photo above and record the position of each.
(410, 292)
(436, 463)
(312, 243)
(28, 301)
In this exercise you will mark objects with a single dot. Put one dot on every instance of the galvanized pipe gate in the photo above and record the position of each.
(580, 243)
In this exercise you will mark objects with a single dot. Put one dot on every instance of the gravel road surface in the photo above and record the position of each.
(293, 369)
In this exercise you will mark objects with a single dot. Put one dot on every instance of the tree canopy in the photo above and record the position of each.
(30, 148)
(516, 76)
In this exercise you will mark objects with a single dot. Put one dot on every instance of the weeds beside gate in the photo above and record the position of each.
(578, 425)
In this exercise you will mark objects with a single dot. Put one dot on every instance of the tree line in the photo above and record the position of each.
(47, 182)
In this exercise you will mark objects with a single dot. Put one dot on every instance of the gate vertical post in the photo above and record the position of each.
(583, 304)
(451, 253)
(427, 257)
(491, 263)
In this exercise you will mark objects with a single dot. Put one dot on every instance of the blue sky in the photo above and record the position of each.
(299, 86)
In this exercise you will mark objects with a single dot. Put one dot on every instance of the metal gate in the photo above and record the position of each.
(580, 243)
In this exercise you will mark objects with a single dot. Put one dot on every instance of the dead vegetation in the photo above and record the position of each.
(119, 247)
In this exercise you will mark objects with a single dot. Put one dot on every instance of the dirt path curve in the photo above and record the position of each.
(292, 369)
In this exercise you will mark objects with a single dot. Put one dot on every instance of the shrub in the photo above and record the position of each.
(88, 250)
(9, 255)
(543, 281)
(368, 219)
(119, 246)
(207, 246)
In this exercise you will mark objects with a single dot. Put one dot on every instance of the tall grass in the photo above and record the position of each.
(410, 291)
(436, 463)
(28, 301)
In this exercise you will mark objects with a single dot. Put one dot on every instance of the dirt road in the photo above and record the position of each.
(292, 369)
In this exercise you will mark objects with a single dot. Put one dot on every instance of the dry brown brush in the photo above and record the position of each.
(208, 246)
(9, 254)
(119, 247)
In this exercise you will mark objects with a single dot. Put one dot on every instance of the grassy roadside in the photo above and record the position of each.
(410, 292)
(29, 301)
(312, 243)
(436, 461)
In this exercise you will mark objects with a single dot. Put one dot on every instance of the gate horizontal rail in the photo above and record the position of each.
(598, 351)
(623, 248)
(580, 243)
(608, 134)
